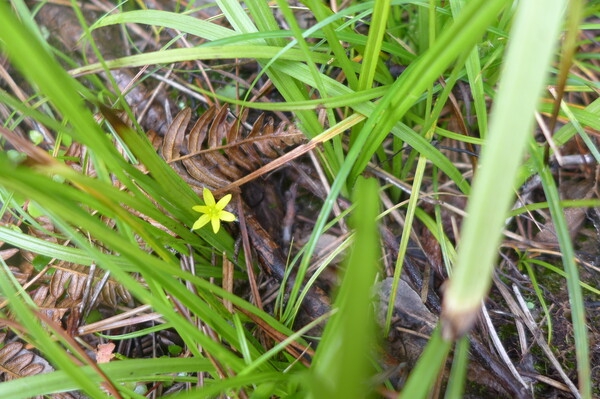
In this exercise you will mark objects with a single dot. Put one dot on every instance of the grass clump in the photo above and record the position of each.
(420, 112)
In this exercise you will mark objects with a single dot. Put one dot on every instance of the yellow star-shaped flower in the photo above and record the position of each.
(213, 211)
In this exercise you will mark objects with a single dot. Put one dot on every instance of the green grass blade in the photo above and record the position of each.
(466, 29)
(122, 371)
(423, 376)
(475, 76)
(374, 42)
(321, 13)
(472, 22)
(458, 373)
(183, 23)
(532, 44)
(429, 128)
(341, 367)
(260, 52)
(540, 295)
(582, 350)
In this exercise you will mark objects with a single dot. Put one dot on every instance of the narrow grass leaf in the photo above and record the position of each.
(259, 52)
(475, 76)
(582, 350)
(472, 22)
(458, 373)
(180, 22)
(135, 370)
(423, 376)
(533, 40)
(341, 367)
(371, 56)
(461, 35)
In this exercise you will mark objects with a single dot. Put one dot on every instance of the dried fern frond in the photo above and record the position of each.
(66, 281)
(216, 152)
(175, 144)
(16, 361)
(263, 143)
(46, 302)
(71, 278)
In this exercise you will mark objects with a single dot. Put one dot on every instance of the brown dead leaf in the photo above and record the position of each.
(104, 353)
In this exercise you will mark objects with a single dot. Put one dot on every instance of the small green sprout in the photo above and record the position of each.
(213, 211)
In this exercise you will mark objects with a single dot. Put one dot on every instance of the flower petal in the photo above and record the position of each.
(216, 224)
(202, 220)
(226, 216)
(223, 202)
(208, 197)
(201, 208)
